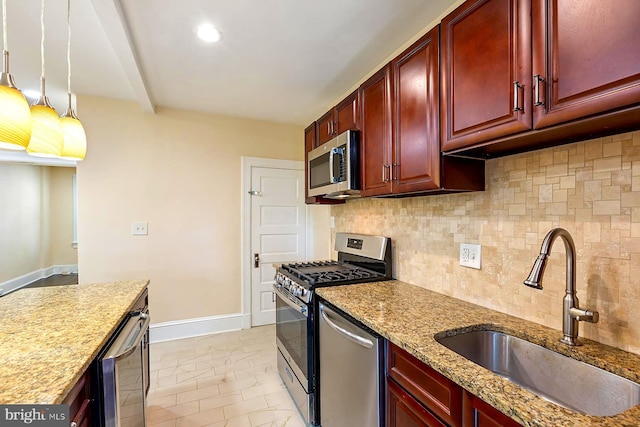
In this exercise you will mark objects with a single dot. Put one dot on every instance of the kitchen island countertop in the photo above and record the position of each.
(50, 335)
(410, 317)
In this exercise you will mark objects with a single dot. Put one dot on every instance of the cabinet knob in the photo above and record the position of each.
(73, 424)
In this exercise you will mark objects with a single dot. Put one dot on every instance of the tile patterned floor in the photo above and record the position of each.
(227, 379)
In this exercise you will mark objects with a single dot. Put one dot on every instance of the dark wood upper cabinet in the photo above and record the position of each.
(346, 114)
(375, 134)
(518, 75)
(586, 58)
(341, 118)
(325, 128)
(400, 133)
(416, 130)
(486, 71)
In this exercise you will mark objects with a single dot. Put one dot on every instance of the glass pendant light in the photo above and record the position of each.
(15, 117)
(75, 140)
(46, 134)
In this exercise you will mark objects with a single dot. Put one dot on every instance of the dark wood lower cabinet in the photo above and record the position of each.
(80, 403)
(417, 395)
(405, 411)
(477, 413)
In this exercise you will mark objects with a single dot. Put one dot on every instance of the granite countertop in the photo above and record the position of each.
(49, 336)
(410, 316)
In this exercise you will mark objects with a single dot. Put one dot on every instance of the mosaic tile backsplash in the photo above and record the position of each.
(590, 188)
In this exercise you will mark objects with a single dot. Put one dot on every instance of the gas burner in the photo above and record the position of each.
(329, 272)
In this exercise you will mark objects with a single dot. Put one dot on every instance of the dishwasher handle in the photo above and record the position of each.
(364, 342)
(128, 329)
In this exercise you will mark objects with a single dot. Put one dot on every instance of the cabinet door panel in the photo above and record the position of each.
(346, 113)
(486, 48)
(325, 128)
(375, 133)
(478, 413)
(404, 411)
(591, 63)
(416, 116)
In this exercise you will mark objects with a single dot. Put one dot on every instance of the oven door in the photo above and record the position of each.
(292, 332)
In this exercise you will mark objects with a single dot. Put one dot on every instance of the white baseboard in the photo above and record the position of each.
(24, 280)
(188, 328)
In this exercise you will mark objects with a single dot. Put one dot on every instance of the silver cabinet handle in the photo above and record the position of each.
(348, 335)
(256, 260)
(516, 96)
(329, 127)
(393, 165)
(384, 174)
(537, 80)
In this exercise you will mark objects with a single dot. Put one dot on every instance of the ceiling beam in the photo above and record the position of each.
(114, 22)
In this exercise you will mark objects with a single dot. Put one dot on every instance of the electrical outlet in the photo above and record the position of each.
(139, 228)
(332, 222)
(470, 255)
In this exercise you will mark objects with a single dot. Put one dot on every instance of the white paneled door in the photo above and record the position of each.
(277, 233)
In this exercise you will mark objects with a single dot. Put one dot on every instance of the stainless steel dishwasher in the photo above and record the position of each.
(351, 366)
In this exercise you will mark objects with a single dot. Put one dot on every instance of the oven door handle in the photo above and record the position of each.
(301, 307)
(342, 331)
(138, 338)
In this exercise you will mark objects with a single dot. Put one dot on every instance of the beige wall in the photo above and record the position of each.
(61, 216)
(591, 188)
(36, 219)
(181, 172)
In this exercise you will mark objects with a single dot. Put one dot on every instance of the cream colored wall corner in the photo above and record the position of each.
(180, 171)
(36, 220)
(591, 188)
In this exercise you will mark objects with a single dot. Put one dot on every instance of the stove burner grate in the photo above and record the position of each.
(324, 272)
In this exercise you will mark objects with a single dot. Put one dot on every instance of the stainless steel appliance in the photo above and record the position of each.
(123, 371)
(361, 258)
(334, 168)
(351, 372)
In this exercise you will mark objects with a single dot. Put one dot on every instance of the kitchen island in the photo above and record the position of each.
(410, 317)
(49, 336)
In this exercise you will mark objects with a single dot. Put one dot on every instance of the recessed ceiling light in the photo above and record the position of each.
(209, 33)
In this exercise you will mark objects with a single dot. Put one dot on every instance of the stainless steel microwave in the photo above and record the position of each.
(334, 168)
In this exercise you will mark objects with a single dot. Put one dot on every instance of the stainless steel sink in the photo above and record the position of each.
(562, 380)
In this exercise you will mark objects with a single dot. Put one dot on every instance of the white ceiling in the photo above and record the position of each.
(279, 60)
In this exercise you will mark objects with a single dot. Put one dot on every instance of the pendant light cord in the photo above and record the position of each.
(42, 41)
(68, 47)
(4, 24)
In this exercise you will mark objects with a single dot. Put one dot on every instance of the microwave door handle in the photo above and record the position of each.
(332, 177)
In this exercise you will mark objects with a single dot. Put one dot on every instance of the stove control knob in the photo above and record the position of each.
(295, 291)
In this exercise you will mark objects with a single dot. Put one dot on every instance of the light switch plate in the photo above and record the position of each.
(332, 222)
(470, 255)
(139, 228)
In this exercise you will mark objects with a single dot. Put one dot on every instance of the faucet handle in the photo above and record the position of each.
(592, 316)
(584, 315)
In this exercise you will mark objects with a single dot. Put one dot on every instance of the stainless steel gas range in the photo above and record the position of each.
(361, 258)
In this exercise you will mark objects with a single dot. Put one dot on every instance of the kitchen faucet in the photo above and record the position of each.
(571, 312)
